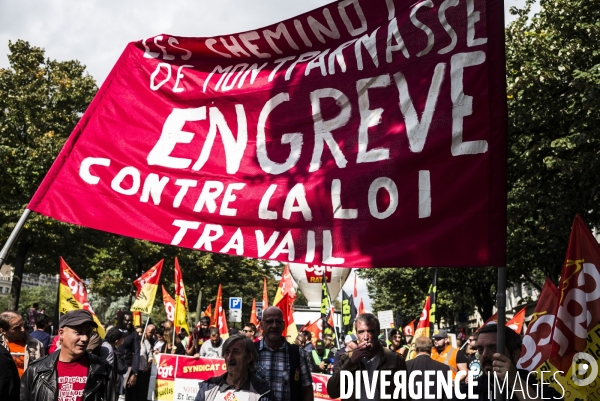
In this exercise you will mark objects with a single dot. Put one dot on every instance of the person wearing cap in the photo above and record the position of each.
(444, 352)
(350, 344)
(71, 373)
(423, 363)
(368, 356)
(319, 358)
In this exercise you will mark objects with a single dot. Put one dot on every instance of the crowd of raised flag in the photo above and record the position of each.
(118, 358)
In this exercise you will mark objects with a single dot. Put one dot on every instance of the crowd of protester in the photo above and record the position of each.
(78, 364)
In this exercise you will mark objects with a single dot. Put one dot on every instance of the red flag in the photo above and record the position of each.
(218, 307)
(286, 287)
(315, 328)
(275, 148)
(253, 318)
(265, 294)
(516, 323)
(579, 305)
(330, 320)
(537, 343)
(290, 332)
(181, 304)
(423, 326)
(209, 314)
(361, 307)
(146, 285)
(355, 292)
(492, 319)
(169, 303)
(222, 324)
(409, 329)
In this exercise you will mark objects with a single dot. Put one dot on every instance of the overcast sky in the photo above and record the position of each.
(95, 32)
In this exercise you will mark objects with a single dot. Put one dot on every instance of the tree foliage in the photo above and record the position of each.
(553, 76)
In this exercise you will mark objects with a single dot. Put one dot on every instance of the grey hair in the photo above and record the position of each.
(248, 344)
(368, 318)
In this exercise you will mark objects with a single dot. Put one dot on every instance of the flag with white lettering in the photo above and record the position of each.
(169, 303)
(365, 133)
(73, 294)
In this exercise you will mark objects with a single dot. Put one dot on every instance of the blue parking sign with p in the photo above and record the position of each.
(235, 303)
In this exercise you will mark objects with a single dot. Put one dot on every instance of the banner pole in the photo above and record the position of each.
(14, 235)
(501, 303)
(146, 326)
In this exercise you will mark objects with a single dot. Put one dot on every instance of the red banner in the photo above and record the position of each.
(363, 134)
(169, 303)
(579, 303)
(537, 343)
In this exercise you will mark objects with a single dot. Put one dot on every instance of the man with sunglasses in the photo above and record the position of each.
(284, 365)
(13, 336)
(250, 331)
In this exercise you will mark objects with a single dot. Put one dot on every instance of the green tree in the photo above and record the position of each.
(41, 100)
(44, 295)
(553, 76)
(459, 290)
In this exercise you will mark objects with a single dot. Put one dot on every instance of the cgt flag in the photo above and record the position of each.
(577, 325)
(169, 303)
(73, 294)
(537, 342)
(409, 329)
(423, 326)
(286, 287)
(181, 304)
(290, 331)
(360, 134)
(146, 285)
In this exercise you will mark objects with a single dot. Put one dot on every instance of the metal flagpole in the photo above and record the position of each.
(146, 326)
(14, 235)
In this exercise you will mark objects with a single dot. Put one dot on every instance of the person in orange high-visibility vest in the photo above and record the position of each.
(443, 352)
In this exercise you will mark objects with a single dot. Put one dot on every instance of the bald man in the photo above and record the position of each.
(279, 359)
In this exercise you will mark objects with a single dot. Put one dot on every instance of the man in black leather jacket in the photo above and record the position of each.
(71, 372)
